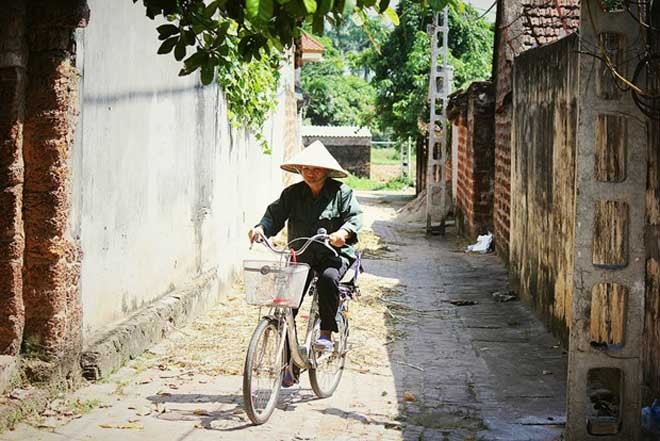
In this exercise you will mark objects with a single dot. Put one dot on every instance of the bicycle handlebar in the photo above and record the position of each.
(322, 238)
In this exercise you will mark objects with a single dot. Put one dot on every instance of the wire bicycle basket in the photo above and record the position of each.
(274, 282)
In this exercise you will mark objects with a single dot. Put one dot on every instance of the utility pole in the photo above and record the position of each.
(404, 154)
(439, 89)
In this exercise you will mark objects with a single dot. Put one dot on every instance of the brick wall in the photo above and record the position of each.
(502, 178)
(52, 259)
(13, 57)
(520, 25)
(474, 193)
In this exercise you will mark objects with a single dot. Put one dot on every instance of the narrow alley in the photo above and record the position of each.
(451, 363)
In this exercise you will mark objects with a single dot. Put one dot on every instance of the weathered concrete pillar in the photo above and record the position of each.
(652, 320)
(52, 258)
(13, 60)
(604, 379)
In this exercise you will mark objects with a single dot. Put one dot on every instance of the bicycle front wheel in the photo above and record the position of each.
(325, 377)
(263, 371)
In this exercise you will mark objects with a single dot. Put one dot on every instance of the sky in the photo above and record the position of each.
(482, 6)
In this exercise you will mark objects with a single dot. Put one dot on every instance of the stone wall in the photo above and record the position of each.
(472, 113)
(543, 179)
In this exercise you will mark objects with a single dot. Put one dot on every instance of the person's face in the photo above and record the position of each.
(313, 175)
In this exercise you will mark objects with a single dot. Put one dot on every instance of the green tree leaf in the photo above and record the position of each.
(207, 74)
(167, 30)
(260, 11)
(392, 16)
(180, 50)
(168, 45)
(310, 6)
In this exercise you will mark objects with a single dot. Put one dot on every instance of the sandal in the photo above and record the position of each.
(324, 344)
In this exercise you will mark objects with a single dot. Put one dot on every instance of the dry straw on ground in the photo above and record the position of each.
(216, 343)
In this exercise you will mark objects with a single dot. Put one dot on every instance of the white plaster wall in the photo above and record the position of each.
(164, 190)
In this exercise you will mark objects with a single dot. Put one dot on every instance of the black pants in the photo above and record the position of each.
(330, 270)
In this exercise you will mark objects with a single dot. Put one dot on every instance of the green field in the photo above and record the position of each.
(371, 185)
(385, 156)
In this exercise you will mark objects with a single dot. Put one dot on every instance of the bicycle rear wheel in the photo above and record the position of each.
(325, 377)
(263, 371)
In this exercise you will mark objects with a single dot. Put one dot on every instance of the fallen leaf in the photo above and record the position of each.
(18, 394)
(407, 396)
(143, 411)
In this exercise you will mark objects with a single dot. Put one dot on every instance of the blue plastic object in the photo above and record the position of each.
(651, 418)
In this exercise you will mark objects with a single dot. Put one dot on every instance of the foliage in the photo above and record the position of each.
(336, 98)
(360, 45)
(471, 44)
(401, 72)
(218, 35)
(256, 27)
(250, 89)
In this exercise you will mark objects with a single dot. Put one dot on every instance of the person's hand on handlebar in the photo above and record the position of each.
(256, 233)
(338, 238)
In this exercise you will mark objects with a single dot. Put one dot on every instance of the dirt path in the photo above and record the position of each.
(434, 357)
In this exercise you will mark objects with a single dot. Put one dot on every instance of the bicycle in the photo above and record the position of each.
(279, 285)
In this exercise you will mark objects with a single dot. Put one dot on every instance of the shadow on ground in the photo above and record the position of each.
(467, 367)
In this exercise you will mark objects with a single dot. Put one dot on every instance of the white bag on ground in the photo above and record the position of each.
(483, 244)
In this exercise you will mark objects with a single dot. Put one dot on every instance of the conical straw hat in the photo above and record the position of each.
(315, 155)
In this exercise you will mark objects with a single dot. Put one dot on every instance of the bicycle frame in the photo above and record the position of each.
(300, 355)
(284, 317)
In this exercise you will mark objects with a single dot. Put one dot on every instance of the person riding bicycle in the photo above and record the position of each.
(319, 201)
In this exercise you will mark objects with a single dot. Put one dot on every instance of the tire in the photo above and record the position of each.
(326, 376)
(262, 374)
